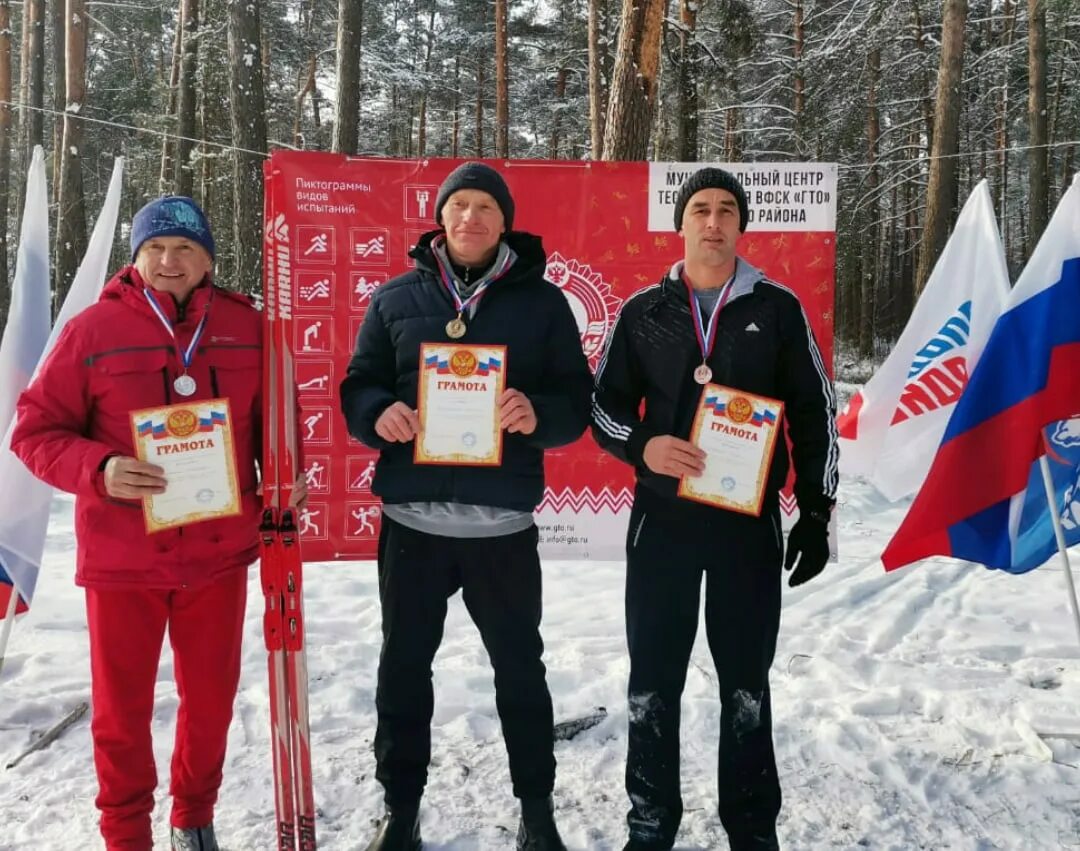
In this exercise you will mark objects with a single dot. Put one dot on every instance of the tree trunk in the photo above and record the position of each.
(940, 193)
(349, 42)
(688, 82)
(5, 153)
(479, 106)
(732, 144)
(59, 40)
(305, 80)
(247, 108)
(560, 97)
(421, 132)
(1001, 141)
(455, 128)
(596, 99)
(71, 214)
(168, 142)
(798, 47)
(634, 80)
(33, 121)
(183, 177)
(1038, 177)
(502, 99)
(870, 235)
(305, 85)
(925, 100)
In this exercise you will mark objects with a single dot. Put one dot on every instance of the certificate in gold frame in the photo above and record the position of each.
(193, 442)
(738, 431)
(470, 377)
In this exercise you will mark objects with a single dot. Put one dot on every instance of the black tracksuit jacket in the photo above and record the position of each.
(764, 345)
(544, 360)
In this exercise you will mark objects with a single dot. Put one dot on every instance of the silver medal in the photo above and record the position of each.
(184, 385)
(703, 375)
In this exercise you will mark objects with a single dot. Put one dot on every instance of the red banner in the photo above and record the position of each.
(339, 227)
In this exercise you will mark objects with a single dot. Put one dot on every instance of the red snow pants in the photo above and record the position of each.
(127, 627)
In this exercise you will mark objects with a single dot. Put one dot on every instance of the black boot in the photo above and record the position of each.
(399, 830)
(537, 831)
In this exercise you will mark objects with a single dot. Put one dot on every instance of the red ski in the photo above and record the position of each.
(281, 565)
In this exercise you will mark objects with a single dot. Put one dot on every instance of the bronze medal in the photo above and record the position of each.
(703, 375)
(455, 328)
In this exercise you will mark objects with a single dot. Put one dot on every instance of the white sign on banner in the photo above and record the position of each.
(781, 196)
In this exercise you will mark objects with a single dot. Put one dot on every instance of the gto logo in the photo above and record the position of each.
(463, 363)
(591, 301)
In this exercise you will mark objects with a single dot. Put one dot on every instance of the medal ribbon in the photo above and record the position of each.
(186, 355)
(706, 334)
(448, 281)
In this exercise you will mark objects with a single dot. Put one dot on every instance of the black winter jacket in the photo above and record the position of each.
(764, 345)
(544, 360)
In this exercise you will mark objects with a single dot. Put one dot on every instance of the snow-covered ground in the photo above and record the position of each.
(906, 711)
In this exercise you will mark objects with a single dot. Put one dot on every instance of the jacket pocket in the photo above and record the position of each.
(125, 380)
(236, 375)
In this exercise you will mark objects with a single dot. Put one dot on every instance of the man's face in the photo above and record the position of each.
(172, 264)
(474, 225)
(710, 227)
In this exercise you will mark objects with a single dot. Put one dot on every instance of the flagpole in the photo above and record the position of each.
(1059, 535)
(9, 619)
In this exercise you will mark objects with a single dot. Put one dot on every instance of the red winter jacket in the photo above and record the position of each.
(114, 358)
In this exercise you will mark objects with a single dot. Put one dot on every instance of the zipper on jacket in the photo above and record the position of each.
(165, 384)
(213, 382)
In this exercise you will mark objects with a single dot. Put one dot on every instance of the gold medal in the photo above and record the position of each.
(455, 328)
(703, 375)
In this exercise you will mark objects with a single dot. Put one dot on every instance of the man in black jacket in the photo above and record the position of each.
(712, 319)
(447, 527)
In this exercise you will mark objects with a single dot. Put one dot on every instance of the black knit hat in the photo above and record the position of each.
(711, 178)
(477, 176)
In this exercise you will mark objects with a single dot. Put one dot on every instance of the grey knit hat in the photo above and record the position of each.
(481, 177)
(711, 178)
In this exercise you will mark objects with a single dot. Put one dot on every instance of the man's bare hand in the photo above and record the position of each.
(130, 478)
(398, 424)
(516, 412)
(669, 456)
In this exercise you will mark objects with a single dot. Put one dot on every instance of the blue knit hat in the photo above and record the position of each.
(173, 215)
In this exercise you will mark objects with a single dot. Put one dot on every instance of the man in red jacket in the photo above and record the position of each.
(161, 334)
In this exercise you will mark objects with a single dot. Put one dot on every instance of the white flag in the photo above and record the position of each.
(28, 319)
(25, 500)
(891, 429)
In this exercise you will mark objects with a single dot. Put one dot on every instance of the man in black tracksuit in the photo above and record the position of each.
(466, 527)
(662, 350)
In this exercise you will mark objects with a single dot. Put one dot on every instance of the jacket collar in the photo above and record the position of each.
(746, 278)
(128, 285)
(528, 248)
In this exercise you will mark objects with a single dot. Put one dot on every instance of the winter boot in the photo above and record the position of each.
(537, 831)
(399, 830)
(193, 838)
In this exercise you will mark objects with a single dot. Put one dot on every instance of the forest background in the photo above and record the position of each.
(916, 100)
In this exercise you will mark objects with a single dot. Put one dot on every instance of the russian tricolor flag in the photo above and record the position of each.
(981, 498)
(211, 420)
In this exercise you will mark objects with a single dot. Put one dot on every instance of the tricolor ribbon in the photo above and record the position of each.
(463, 304)
(186, 355)
(706, 334)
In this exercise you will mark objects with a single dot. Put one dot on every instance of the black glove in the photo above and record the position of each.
(808, 542)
